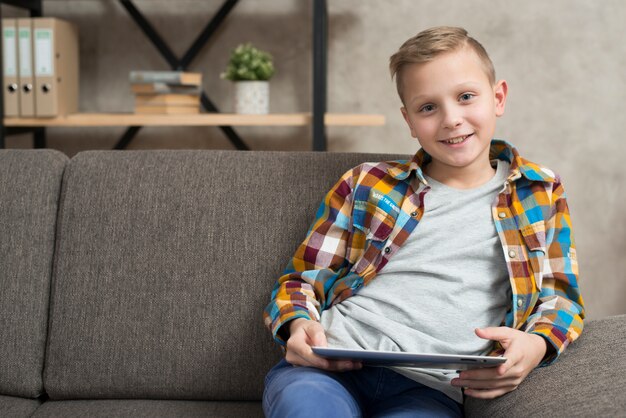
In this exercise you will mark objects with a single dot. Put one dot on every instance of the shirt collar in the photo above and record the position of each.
(499, 150)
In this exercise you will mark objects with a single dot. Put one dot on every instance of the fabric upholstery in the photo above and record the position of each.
(148, 409)
(30, 183)
(14, 407)
(165, 262)
(587, 380)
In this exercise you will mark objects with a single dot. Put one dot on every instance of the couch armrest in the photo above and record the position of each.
(587, 380)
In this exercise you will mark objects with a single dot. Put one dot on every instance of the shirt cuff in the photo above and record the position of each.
(556, 341)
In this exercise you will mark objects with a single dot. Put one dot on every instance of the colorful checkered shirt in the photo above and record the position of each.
(370, 212)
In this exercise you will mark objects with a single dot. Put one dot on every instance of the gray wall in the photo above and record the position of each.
(564, 61)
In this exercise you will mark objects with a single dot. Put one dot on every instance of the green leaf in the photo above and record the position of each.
(249, 63)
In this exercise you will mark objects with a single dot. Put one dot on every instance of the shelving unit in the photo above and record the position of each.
(205, 119)
(318, 119)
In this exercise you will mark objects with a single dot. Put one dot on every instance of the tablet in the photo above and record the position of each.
(402, 359)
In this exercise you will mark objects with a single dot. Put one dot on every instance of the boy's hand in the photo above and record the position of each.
(523, 351)
(303, 334)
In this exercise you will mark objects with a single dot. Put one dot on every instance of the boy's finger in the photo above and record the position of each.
(319, 362)
(319, 339)
(484, 384)
(494, 333)
(487, 373)
(487, 394)
(345, 365)
(316, 335)
(302, 355)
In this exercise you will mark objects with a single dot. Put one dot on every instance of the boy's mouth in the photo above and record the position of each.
(456, 140)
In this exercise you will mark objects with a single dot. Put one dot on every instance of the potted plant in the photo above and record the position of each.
(250, 69)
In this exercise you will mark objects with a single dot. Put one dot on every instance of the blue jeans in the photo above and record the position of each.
(370, 392)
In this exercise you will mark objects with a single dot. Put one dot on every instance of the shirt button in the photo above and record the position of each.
(520, 302)
(387, 250)
(512, 254)
(502, 215)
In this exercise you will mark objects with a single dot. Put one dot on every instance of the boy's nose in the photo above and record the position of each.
(452, 120)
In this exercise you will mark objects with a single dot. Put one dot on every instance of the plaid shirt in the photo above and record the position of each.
(368, 215)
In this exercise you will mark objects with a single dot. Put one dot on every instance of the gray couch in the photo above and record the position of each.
(132, 284)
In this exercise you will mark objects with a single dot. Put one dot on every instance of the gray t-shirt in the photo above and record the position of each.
(449, 278)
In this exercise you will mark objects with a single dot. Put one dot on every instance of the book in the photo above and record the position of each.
(166, 99)
(168, 77)
(165, 88)
(167, 110)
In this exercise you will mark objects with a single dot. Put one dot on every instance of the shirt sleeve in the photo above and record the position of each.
(559, 313)
(312, 276)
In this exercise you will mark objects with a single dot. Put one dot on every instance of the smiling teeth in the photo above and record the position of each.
(456, 140)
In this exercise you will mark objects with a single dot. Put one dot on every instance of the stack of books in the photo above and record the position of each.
(166, 92)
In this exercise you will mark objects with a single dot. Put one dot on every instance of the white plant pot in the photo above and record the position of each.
(252, 97)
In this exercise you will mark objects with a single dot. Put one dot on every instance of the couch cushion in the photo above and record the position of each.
(11, 406)
(30, 183)
(165, 263)
(588, 380)
(148, 409)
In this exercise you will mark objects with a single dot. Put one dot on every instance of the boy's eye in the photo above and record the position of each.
(466, 96)
(426, 108)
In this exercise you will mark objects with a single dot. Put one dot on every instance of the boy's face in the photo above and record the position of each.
(451, 108)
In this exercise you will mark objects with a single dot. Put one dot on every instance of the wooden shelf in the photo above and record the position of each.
(204, 119)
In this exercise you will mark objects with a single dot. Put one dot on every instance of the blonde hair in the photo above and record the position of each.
(430, 43)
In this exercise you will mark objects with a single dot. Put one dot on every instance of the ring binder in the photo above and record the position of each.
(10, 75)
(25, 54)
(55, 47)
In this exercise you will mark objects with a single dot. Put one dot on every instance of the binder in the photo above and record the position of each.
(55, 53)
(25, 67)
(10, 81)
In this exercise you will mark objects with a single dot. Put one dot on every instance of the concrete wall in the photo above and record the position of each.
(564, 61)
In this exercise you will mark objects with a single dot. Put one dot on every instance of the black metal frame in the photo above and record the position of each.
(181, 64)
(39, 134)
(320, 65)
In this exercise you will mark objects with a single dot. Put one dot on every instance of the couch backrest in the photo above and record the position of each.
(165, 261)
(30, 183)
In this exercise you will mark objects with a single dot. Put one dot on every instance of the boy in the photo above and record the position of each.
(467, 248)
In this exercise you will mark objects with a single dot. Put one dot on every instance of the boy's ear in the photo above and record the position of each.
(408, 121)
(500, 91)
